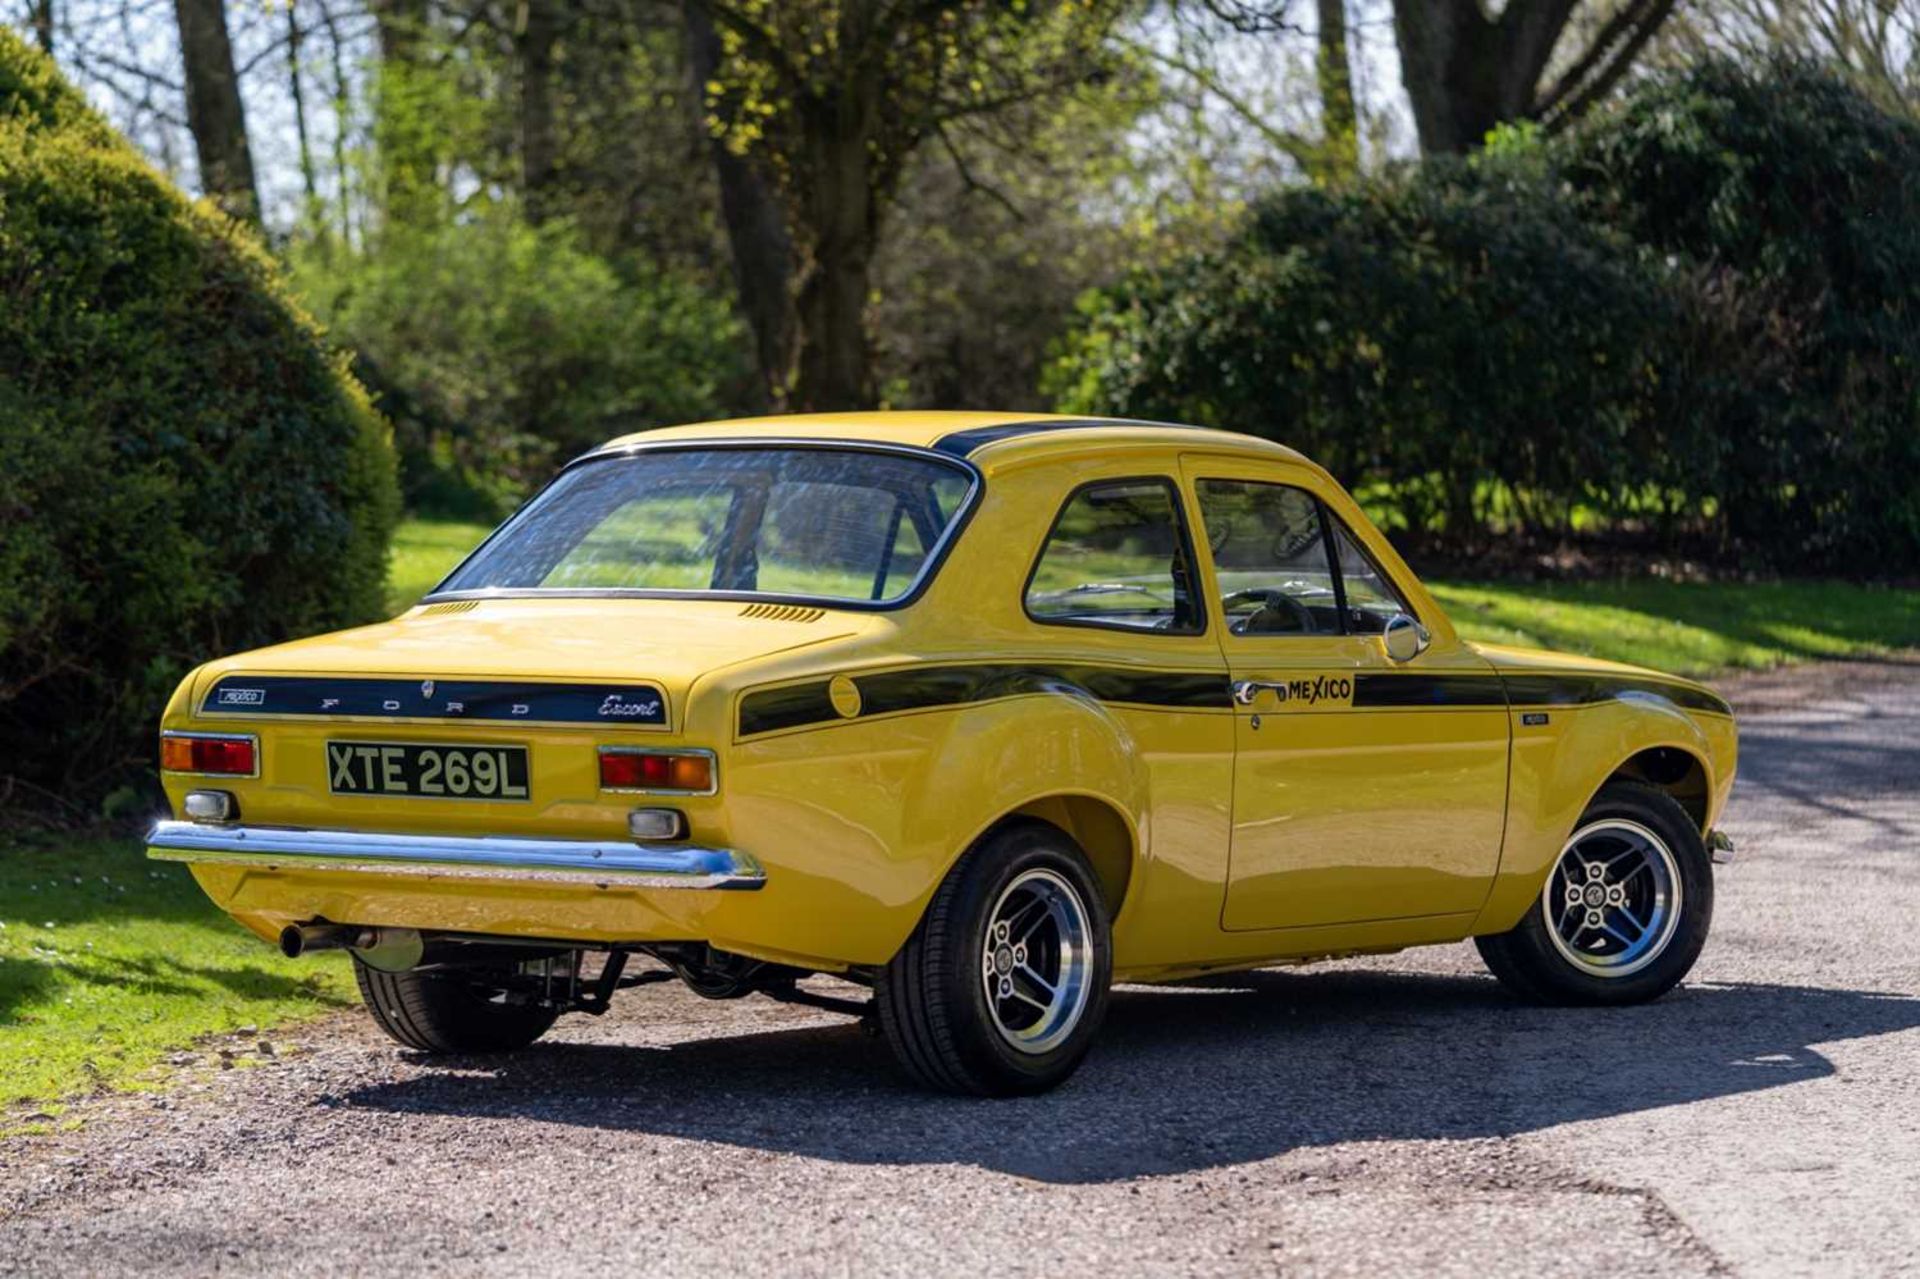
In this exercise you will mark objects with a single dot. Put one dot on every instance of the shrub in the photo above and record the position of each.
(494, 345)
(1697, 319)
(184, 469)
(1787, 185)
(1428, 332)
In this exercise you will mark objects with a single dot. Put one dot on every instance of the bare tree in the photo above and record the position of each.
(215, 115)
(1467, 71)
(1877, 42)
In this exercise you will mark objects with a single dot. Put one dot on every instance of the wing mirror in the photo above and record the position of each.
(1404, 638)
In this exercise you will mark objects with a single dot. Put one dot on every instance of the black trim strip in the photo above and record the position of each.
(1502, 689)
(919, 688)
(1587, 690)
(1427, 690)
(498, 701)
(964, 443)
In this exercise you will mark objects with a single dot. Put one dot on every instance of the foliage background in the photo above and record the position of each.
(1693, 325)
(187, 468)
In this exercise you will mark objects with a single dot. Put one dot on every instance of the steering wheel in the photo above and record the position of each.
(1268, 599)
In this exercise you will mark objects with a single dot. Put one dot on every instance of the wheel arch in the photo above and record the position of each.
(1678, 770)
(1099, 828)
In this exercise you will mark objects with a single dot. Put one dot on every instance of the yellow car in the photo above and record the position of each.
(980, 712)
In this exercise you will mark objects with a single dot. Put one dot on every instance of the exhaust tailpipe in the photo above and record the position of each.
(297, 939)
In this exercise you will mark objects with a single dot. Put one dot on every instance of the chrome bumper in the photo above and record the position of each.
(1719, 846)
(509, 858)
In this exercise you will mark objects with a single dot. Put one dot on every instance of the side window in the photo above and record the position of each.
(1117, 556)
(1372, 597)
(1270, 557)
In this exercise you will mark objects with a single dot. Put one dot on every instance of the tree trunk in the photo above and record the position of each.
(215, 115)
(40, 18)
(402, 141)
(840, 234)
(536, 34)
(309, 179)
(1467, 73)
(756, 225)
(1339, 121)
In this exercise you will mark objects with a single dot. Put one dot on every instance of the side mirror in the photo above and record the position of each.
(1405, 639)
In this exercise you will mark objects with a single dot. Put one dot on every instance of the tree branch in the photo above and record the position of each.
(968, 180)
(1571, 107)
(1300, 150)
(1625, 21)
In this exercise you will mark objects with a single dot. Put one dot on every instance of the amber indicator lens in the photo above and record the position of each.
(233, 756)
(655, 770)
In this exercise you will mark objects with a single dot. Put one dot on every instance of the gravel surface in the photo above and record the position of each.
(1393, 1115)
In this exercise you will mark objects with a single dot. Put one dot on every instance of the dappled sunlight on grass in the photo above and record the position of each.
(108, 963)
(1691, 628)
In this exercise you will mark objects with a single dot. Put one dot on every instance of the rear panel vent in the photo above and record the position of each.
(783, 613)
(452, 606)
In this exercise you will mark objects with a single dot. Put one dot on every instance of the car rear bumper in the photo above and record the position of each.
(499, 858)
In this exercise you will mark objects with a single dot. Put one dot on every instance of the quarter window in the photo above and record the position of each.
(1117, 556)
(1371, 596)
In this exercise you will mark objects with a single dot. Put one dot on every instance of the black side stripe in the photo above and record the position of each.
(1427, 690)
(962, 443)
(920, 688)
(1522, 690)
(1587, 690)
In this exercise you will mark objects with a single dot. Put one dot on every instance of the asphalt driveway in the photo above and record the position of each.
(1399, 1114)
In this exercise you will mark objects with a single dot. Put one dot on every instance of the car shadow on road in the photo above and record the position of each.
(1190, 1077)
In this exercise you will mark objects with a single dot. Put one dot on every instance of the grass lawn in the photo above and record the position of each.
(110, 963)
(424, 551)
(1686, 628)
(1689, 628)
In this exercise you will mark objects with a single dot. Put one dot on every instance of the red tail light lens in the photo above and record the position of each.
(226, 756)
(656, 771)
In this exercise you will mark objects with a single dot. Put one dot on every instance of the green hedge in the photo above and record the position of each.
(1693, 322)
(185, 469)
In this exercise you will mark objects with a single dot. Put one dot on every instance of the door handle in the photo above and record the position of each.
(1247, 691)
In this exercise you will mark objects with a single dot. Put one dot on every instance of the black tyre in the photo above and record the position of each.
(1624, 912)
(1002, 987)
(450, 1010)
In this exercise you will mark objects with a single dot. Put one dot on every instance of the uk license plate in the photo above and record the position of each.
(427, 772)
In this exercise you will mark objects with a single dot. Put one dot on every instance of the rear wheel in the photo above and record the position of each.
(451, 1010)
(1624, 912)
(1000, 990)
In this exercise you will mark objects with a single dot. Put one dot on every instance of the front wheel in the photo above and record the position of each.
(1624, 912)
(1000, 990)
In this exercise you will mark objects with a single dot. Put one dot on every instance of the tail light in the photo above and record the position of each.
(672, 772)
(217, 754)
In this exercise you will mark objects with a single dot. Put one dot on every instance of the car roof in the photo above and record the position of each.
(959, 434)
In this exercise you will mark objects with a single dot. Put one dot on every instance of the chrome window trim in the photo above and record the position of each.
(929, 568)
(218, 737)
(698, 752)
(511, 858)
